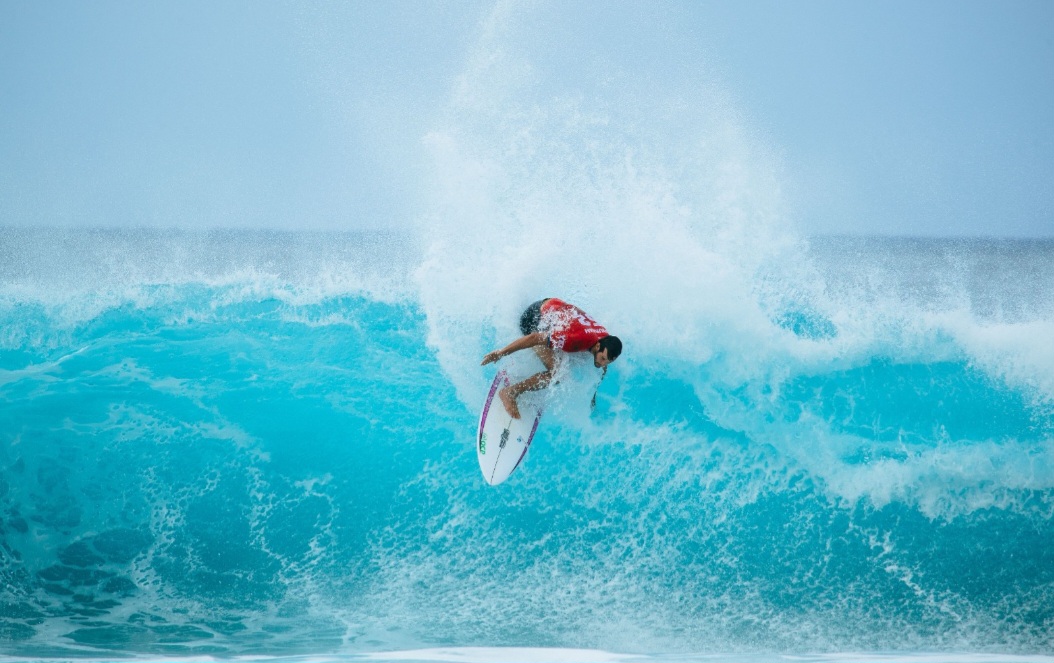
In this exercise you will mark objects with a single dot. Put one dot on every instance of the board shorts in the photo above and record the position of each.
(532, 317)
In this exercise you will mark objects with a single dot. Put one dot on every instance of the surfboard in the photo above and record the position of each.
(501, 441)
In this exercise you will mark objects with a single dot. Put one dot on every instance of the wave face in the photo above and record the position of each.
(253, 443)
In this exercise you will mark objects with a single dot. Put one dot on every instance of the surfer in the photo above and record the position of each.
(553, 324)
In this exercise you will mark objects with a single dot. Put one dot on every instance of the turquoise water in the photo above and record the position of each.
(248, 443)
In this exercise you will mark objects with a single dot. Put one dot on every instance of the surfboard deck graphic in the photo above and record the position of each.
(501, 440)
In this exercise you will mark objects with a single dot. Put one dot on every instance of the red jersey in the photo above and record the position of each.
(569, 328)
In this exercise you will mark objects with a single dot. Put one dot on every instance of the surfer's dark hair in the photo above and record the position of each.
(613, 345)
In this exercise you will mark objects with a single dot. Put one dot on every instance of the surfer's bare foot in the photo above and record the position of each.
(509, 401)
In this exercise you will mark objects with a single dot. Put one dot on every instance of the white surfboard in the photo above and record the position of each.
(501, 441)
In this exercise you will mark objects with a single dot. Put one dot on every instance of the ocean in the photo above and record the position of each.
(251, 444)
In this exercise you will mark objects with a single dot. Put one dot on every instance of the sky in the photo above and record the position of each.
(885, 117)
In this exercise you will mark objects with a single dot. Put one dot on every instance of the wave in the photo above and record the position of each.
(247, 463)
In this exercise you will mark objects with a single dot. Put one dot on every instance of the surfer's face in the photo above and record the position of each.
(600, 359)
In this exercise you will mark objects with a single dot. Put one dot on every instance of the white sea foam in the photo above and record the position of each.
(97, 269)
(503, 655)
(664, 218)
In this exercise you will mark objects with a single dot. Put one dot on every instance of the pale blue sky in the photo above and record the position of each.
(886, 117)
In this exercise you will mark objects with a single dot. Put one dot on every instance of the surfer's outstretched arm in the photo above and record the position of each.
(522, 343)
(593, 403)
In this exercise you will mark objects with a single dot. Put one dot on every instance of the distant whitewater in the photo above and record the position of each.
(261, 444)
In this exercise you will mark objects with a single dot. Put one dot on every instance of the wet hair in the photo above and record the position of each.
(613, 345)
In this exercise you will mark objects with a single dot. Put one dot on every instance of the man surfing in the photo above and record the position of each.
(553, 324)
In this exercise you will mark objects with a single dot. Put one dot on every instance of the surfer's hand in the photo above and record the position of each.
(490, 358)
